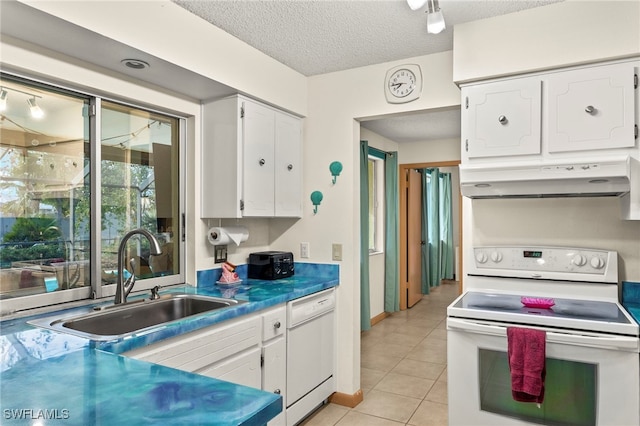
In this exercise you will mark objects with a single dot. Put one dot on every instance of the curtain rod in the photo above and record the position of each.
(379, 153)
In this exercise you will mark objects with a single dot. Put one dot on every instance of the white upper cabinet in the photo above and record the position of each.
(288, 166)
(259, 156)
(591, 108)
(251, 160)
(557, 114)
(502, 119)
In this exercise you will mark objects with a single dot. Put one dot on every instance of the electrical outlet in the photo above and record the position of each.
(305, 251)
(336, 251)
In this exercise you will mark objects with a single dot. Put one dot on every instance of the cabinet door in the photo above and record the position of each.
(243, 369)
(288, 166)
(274, 373)
(502, 118)
(274, 370)
(591, 108)
(258, 155)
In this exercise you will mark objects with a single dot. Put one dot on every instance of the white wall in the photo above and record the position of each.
(431, 151)
(561, 34)
(165, 30)
(332, 133)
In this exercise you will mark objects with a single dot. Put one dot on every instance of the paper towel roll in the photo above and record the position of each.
(218, 236)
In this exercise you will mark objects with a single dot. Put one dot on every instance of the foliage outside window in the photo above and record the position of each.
(46, 191)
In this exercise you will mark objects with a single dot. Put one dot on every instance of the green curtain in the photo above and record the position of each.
(365, 308)
(391, 261)
(446, 227)
(437, 228)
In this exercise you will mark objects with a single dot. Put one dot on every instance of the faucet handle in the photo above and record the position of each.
(154, 293)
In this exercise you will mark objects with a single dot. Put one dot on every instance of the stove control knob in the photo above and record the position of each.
(496, 256)
(597, 262)
(481, 257)
(579, 260)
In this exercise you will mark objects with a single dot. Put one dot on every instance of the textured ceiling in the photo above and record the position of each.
(322, 36)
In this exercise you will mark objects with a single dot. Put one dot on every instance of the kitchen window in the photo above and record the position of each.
(77, 173)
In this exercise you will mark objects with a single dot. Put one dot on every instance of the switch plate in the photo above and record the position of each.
(221, 254)
(305, 250)
(336, 251)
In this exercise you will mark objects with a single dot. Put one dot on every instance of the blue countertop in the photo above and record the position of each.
(56, 377)
(631, 298)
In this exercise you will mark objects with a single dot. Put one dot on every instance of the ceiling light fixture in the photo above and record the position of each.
(435, 19)
(36, 111)
(136, 64)
(416, 4)
(3, 99)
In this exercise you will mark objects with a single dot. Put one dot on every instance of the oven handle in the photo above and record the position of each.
(606, 342)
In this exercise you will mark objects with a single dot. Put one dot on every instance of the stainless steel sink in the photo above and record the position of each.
(118, 321)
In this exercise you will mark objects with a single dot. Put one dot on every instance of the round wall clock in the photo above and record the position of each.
(403, 84)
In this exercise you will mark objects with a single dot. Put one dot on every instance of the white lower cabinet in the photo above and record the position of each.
(274, 357)
(250, 351)
(229, 351)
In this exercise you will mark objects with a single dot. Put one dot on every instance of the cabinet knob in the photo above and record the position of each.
(277, 391)
(590, 110)
(503, 120)
(261, 162)
(290, 167)
(276, 324)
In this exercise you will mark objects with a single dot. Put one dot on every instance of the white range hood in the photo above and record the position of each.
(618, 177)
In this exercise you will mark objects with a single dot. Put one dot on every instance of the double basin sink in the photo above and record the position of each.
(118, 321)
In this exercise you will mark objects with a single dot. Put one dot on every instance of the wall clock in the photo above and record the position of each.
(403, 84)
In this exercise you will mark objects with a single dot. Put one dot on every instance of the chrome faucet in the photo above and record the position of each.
(124, 288)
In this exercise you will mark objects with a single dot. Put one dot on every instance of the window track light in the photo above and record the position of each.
(3, 99)
(435, 19)
(36, 111)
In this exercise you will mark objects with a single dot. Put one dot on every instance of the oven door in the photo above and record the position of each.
(591, 379)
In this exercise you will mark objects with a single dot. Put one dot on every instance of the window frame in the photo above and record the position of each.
(97, 290)
(378, 205)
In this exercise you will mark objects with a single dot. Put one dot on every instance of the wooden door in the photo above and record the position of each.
(414, 238)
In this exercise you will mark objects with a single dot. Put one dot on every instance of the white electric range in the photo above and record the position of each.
(592, 344)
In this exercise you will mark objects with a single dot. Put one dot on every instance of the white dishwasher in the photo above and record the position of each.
(310, 353)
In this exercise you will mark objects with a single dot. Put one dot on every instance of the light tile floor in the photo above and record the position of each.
(403, 369)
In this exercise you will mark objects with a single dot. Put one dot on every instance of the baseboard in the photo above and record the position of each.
(378, 318)
(347, 400)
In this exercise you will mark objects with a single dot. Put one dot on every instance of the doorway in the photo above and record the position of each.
(410, 245)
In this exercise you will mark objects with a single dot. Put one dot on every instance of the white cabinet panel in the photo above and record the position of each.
(591, 108)
(199, 349)
(251, 160)
(274, 323)
(259, 146)
(274, 370)
(243, 369)
(502, 119)
(288, 166)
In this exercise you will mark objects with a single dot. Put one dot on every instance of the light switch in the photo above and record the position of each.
(336, 251)
(305, 250)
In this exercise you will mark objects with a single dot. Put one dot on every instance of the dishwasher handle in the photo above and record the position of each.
(309, 307)
(625, 343)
